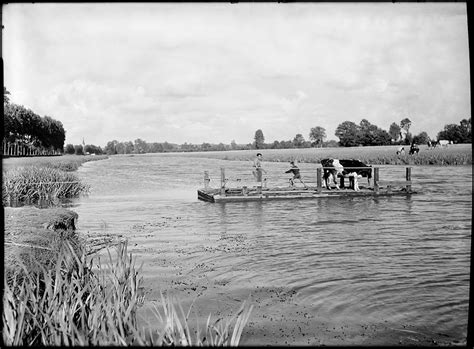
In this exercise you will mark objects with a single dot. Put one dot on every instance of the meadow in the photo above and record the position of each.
(456, 154)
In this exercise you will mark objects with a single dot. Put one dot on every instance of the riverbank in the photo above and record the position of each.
(452, 155)
(48, 266)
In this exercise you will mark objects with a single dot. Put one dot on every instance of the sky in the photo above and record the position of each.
(217, 72)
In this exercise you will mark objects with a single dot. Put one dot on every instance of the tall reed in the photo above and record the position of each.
(80, 303)
(34, 182)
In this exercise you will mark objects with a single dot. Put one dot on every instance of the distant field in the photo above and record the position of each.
(456, 154)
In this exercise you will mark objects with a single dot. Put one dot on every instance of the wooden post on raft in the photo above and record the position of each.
(376, 179)
(318, 179)
(222, 181)
(207, 179)
(408, 178)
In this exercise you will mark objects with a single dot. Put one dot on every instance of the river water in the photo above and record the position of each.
(398, 260)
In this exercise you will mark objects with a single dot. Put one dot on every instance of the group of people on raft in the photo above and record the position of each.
(258, 171)
(414, 149)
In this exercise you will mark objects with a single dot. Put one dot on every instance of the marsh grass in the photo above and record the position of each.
(81, 303)
(32, 183)
(177, 331)
(66, 163)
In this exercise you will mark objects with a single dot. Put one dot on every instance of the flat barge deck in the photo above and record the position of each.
(261, 193)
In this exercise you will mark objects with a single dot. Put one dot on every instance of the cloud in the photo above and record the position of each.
(214, 72)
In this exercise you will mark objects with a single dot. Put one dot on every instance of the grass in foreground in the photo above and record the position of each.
(78, 303)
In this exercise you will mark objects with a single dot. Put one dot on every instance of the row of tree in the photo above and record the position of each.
(83, 149)
(366, 134)
(350, 134)
(457, 133)
(24, 127)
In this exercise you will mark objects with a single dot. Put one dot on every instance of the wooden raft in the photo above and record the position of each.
(262, 193)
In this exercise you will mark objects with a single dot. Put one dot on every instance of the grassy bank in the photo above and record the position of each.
(456, 154)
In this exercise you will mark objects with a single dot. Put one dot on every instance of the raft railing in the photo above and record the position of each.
(407, 183)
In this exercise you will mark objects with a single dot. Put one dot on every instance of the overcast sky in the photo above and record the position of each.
(217, 72)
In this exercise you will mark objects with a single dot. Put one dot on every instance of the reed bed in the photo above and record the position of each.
(457, 154)
(32, 183)
(66, 163)
(81, 303)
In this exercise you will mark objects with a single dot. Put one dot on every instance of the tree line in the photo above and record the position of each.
(349, 133)
(22, 126)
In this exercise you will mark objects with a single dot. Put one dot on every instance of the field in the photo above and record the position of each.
(457, 154)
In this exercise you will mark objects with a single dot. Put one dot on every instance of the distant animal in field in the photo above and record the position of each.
(353, 169)
(432, 144)
(401, 151)
(444, 142)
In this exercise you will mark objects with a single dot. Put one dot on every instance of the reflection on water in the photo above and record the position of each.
(43, 202)
(400, 259)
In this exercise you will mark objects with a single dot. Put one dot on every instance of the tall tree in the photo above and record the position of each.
(259, 142)
(69, 149)
(348, 133)
(317, 135)
(298, 141)
(370, 134)
(395, 131)
(111, 147)
(457, 133)
(140, 146)
(405, 125)
(421, 138)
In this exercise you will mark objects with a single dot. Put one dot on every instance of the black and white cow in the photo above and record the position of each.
(353, 169)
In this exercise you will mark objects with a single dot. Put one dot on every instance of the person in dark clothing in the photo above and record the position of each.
(296, 174)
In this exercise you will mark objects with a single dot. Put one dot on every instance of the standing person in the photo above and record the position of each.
(414, 149)
(257, 163)
(296, 174)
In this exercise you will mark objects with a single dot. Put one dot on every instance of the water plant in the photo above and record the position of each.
(66, 163)
(32, 183)
(81, 303)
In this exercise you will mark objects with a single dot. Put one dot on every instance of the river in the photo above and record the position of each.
(393, 265)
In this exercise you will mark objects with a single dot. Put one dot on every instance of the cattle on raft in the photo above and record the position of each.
(350, 168)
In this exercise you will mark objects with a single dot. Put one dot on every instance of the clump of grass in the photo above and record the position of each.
(65, 162)
(32, 183)
(79, 303)
(177, 332)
